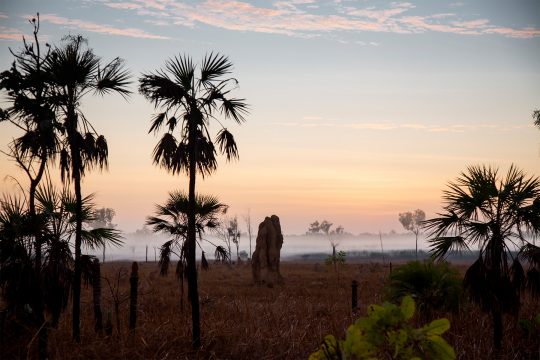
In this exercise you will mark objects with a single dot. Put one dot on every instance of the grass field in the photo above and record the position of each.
(244, 321)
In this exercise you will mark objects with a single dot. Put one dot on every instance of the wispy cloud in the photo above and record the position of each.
(10, 34)
(307, 18)
(99, 28)
(387, 126)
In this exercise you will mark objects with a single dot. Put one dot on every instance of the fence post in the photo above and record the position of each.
(134, 282)
(354, 294)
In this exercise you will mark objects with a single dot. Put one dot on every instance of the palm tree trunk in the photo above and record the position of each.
(193, 292)
(38, 296)
(78, 240)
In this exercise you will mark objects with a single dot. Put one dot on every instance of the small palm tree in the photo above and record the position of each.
(496, 214)
(171, 219)
(75, 72)
(189, 100)
(56, 211)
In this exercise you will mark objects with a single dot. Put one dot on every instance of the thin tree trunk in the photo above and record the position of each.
(38, 299)
(78, 240)
(193, 292)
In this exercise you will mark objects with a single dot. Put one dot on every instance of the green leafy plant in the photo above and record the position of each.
(386, 333)
(434, 286)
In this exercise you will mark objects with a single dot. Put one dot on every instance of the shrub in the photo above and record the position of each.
(434, 286)
(387, 334)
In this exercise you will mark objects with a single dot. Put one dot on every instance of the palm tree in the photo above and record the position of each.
(496, 214)
(76, 71)
(536, 117)
(27, 87)
(172, 219)
(190, 99)
(55, 210)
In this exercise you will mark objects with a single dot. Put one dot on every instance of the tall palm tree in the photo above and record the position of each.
(498, 215)
(190, 98)
(27, 87)
(76, 71)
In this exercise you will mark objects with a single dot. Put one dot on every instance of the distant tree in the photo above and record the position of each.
(75, 71)
(247, 219)
(536, 117)
(496, 213)
(337, 258)
(412, 222)
(234, 235)
(104, 218)
(325, 226)
(191, 100)
(314, 228)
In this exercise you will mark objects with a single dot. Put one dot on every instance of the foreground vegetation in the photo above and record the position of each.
(243, 321)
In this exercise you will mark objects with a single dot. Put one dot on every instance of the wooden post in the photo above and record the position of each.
(134, 282)
(354, 295)
(96, 287)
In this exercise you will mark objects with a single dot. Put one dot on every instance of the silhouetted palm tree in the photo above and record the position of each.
(27, 88)
(172, 219)
(496, 214)
(56, 211)
(536, 117)
(191, 99)
(77, 71)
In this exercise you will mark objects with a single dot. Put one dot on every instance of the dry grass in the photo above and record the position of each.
(244, 321)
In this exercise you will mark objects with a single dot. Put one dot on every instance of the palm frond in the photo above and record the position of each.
(183, 70)
(113, 77)
(159, 89)
(213, 67)
(440, 246)
(99, 237)
(227, 145)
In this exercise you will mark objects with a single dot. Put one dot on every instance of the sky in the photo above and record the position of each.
(359, 110)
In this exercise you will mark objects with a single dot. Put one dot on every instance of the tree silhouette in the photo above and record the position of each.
(27, 88)
(75, 72)
(190, 98)
(411, 221)
(536, 117)
(496, 214)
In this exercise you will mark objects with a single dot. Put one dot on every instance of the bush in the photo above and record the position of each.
(434, 286)
(386, 333)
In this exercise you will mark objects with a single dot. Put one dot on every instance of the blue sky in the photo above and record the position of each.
(359, 109)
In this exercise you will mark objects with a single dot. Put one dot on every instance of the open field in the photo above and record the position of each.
(244, 321)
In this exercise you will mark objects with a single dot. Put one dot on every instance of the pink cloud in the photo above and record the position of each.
(293, 18)
(10, 34)
(99, 28)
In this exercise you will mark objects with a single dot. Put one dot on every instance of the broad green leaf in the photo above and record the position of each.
(407, 307)
(440, 349)
(437, 327)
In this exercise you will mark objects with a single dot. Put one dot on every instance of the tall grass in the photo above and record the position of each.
(244, 321)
